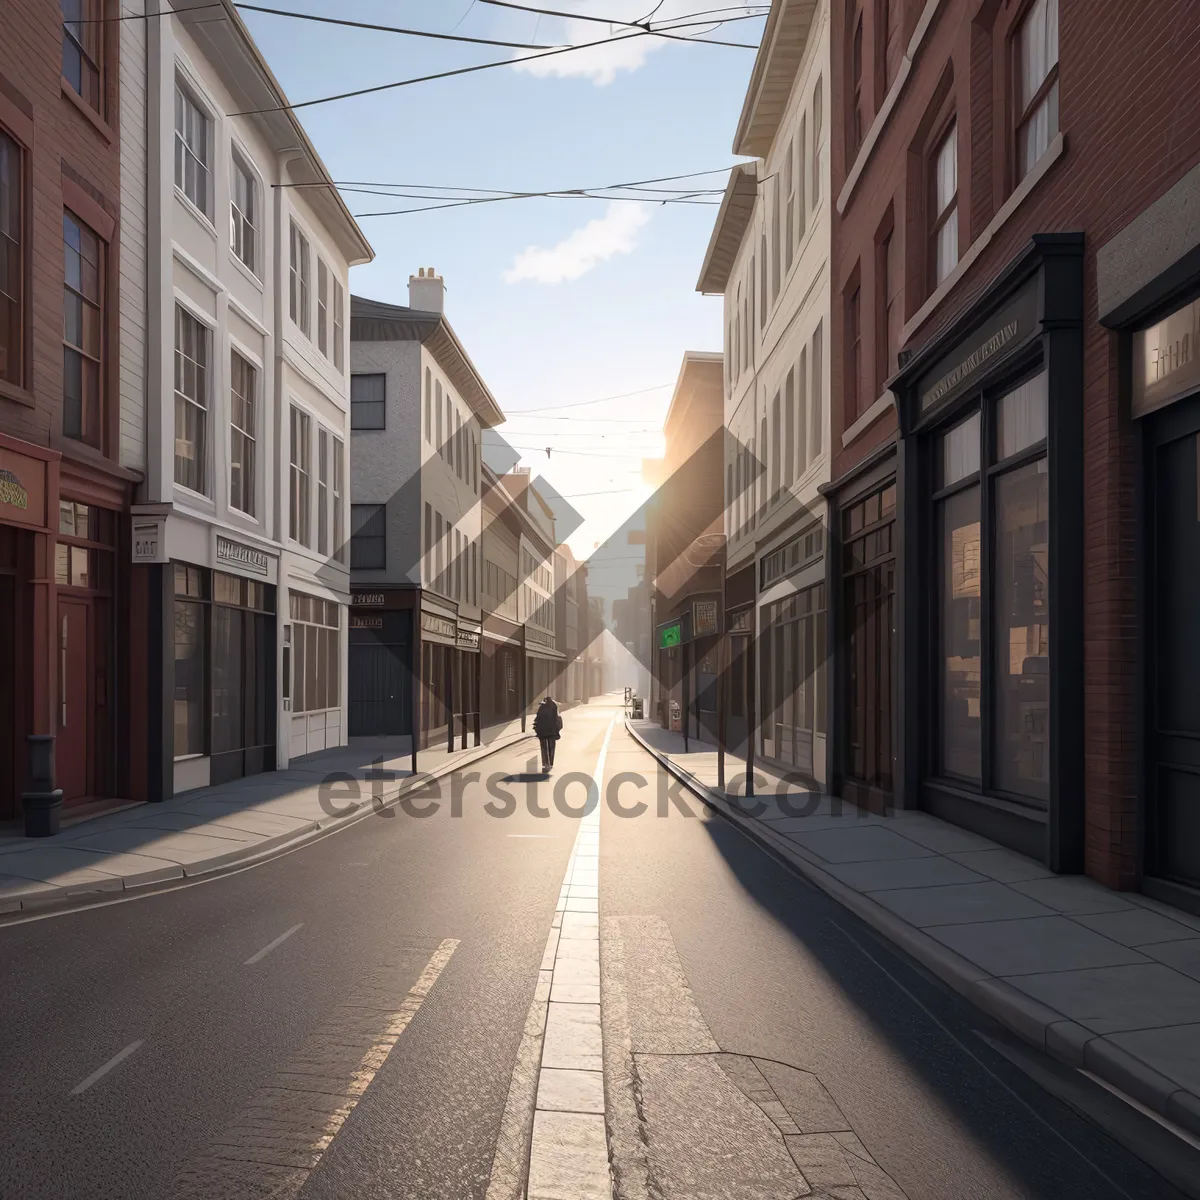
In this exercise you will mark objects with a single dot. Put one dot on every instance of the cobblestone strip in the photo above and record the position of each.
(272, 1146)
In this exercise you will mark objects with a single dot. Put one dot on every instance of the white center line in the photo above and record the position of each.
(283, 937)
(100, 1072)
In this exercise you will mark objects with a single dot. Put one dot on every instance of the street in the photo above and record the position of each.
(345, 1019)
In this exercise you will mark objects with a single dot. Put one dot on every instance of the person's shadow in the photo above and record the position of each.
(526, 778)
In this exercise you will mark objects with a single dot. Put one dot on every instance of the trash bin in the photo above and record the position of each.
(637, 708)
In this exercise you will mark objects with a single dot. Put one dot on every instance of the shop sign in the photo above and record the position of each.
(11, 491)
(149, 540)
(705, 618)
(468, 639)
(439, 626)
(235, 554)
(969, 362)
(365, 621)
(670, 635)
(368, 599)
(1166, 360)
(742, 622)
(22, 489)
(538, 637)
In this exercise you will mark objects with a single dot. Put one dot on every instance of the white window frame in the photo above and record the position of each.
(254, 438)
(300, 473)
(240, 222)
(206, 324)
(186, 94)
(299, 278)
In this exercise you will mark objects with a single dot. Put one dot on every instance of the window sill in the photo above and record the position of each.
(193, 497)
(101, 126)
(1054, 152)
(197, 212)
(246, 270)
(868, 418)
(18, 395)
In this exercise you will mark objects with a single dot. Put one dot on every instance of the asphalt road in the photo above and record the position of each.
(214, 992)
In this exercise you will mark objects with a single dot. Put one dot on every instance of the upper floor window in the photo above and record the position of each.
(299, 278)
(891, 41)
(12, 262)
(368, 537)
(854, 380)
(300, 478)
(322, 307)
(776, 247)
(428, 405)
(83, 321)
(368, 401)
(789, 187)
(191, 400)
(339, 544)
(243, 214)
(857, 115)
(83, 47)
(1036, 54)
(192, 174)
(323, 437)
(818, 134)
(339, 335)
(242, 403)
(944, 205)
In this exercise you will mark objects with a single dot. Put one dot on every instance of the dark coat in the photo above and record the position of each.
(546, 722)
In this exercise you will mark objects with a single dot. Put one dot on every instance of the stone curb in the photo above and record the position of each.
(1033, 1022)
(162, 879)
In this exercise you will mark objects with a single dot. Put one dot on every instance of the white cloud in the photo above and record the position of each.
(614, 233)
(600, 64)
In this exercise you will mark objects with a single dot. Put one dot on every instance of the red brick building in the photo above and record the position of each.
(63, 573)
(1014, 354)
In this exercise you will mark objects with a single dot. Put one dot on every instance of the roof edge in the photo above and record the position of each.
(730, 226)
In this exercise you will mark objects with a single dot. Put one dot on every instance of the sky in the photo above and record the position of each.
(559, 302)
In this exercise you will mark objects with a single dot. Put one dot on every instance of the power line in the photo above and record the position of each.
(401, 212)
(509, 191)
(442, 37)
(658, 387)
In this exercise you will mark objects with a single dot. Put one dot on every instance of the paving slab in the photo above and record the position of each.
(959, 904)
(183, 848)
(568, 1158)
(572, 1039)
(935, 834)
(871, 843)
(1117, 999)
(571, 1091)
(1033, 944)
(1137, 927)
(1002, 865)
(1182, 956)
(63, 866)
(903, 873)
(1073, 895)
(1173, 1051)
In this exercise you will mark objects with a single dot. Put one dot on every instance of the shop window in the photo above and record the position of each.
(243, 401)
(316, 662)
(191, 401)
(83, 323)
(299, 278)
(83, 47)
(1035, 66)
(368, 536)
(1021, 417)
(243, 214)
(191, 658)
(13, 283)
(792, 678)
(943, 205)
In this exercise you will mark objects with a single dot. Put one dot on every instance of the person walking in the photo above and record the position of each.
(547, 725)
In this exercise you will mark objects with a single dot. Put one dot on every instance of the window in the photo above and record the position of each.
(892, 40)
(776, 248)
(83, 322)
(316, 661)
(322, 307)
(368, 401)
(789, 437)
(789, 187)
(368, 537)
(191, 150)
(458, 565)
(428, 405)
(802, 414)
(243, 214)
(857, 115)
(441, 448)
(776, 446)
(944, 205)
(854, 388)
(428, 543)
(322, 491)
(890, 316)
(191, 658)
(818, 396)
(82, 47)
(242, 382)
(191, 401)
(801, 143)
(12, 262)
(818, 133)
(336, 525)
(299, 279)
(339, 323)
(1036, 69)
(301, 478)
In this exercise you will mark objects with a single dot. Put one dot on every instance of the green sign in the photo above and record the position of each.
(670, 636)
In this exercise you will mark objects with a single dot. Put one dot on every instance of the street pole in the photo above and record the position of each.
(722, 692)
(415, 686)
(751, 705)
(450, 699)
(686, 690)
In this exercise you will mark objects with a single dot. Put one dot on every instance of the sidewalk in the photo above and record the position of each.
(218, 828)
(1105, 981)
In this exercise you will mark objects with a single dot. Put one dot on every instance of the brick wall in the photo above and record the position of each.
(1127, 112)
(62, 142)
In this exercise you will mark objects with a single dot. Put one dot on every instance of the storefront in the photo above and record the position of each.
(792, 652)
(687, 648)
(544, 666)
(502, 669)
(210, 602)
(741, 585)
(990, 712)
(380, 700)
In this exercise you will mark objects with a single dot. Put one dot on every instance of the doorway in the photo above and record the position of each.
(380, 675)
(1172, 844)
(10, 785)
(76, 705)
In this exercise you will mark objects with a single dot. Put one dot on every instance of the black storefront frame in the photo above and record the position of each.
(1031, 317)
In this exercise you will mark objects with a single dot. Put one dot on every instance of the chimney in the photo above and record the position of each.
(427, 291)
